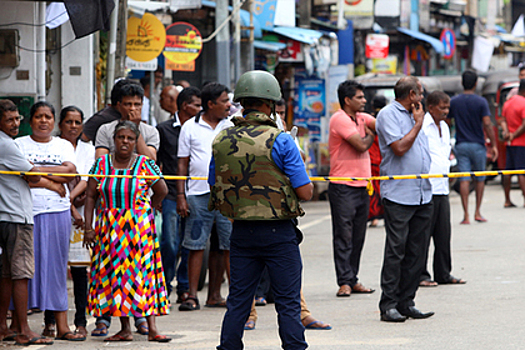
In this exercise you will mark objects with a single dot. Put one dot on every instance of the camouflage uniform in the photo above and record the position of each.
(248, 183)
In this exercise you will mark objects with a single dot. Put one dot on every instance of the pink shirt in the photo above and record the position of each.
(345, 160)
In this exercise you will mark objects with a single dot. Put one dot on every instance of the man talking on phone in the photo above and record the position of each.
(407, 203)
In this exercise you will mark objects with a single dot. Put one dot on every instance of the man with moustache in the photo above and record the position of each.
(182, 106)
(16, 230)
(407, 203)
(130, 107)
(438, 135)
(351, 135)
(195, 141)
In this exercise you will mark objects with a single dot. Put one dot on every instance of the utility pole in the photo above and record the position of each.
(222, 43)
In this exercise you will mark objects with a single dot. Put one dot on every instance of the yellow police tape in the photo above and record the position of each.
(312, 178)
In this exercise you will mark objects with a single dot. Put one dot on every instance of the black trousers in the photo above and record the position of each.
(407, 233)
(440, 232)
(349, 207)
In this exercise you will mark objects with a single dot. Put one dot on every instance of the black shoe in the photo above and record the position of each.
(392, 315)
(414, 313)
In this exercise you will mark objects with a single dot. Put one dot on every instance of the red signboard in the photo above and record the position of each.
(377, 45)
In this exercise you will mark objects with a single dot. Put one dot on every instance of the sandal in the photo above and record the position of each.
(249, 325)
(190, 304)
(428, 283)
(260, 301)
(143, 328)
(118, 337)
(358, 288)
(160, 339)
(100, 331)
(182, 297)
(69, 336)
(344, 291)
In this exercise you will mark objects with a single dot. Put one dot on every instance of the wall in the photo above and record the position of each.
(25, 12)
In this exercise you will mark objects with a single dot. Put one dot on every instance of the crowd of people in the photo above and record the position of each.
(103, 226)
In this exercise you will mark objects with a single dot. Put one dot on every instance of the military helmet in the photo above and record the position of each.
(257, 84)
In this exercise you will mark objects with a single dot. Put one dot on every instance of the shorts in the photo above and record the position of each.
(515, 158)
(18, 259)
(199, 224)
(471, 156)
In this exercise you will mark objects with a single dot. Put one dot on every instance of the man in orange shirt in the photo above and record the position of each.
(514, 132)
(351, 134)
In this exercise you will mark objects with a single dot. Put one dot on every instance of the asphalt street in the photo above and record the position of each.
(486, 313)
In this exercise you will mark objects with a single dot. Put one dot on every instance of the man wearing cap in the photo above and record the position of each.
(257, 178)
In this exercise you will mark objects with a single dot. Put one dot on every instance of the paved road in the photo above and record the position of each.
(486, 313)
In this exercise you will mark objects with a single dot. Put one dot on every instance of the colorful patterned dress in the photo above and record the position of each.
(126, 278)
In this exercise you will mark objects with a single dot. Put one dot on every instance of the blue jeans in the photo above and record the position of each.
(199, 224)
(471, 156)
(170, 242)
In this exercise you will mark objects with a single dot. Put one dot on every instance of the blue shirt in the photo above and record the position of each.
(286, 156)
(468, 111)
(393, 123)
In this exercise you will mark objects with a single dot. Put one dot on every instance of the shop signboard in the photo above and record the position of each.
(147, 66)
(183, 46)
(265, 13)
(448, 38)
(385, 65)
(361, 12)
(292, 53)
(309, 104)
(145, 38)
(377, 45)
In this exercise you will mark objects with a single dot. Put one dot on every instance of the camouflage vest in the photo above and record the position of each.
(248, 184)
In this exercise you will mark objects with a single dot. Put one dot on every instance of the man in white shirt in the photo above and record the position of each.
(195, 151)
(438, 135)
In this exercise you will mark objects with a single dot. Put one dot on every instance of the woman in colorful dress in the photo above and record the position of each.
(51, 210)
(126, 277)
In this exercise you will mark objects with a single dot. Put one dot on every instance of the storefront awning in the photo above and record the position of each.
(435, 43)
(245, 19)
(303, 35)
(268, 45)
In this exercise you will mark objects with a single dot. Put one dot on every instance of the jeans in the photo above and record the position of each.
(170, 243)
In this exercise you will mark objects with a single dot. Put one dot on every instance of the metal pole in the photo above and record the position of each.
(151, 91)
(251, 50)
(41, 53)
(110, 70)
(237, 40)
(222, 42)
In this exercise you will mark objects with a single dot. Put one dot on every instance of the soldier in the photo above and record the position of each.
(258, 177)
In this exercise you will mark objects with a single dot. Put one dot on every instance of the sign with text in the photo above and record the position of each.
(377, 45)
(145, 38)
(148, 66)
(183, 44)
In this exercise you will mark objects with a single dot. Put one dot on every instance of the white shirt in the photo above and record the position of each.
(144, 113)
(195, 141)
(85, 157)
(439, 153)
(52, 153)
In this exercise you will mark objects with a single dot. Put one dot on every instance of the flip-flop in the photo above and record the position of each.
(260, 301)
(101, 332)
(64, 337)
(249, 326)
(361, 289)
(482, 219)
(454, 280)
(344, 292)
(160, 338)
(143, 329)
(34, 341)
(511, 205)
(10, 337)
(311, 325)
(219, 304)
(428, 283)
(117, 338)
(465, 222)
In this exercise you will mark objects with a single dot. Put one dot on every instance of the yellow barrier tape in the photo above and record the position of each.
(312, 178)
